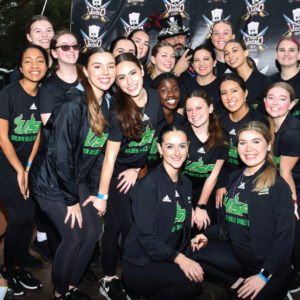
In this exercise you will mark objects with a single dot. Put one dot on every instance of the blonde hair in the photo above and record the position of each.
(154, 52)
(267, 177)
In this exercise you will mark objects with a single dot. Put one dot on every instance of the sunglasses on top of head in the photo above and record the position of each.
(75, 47)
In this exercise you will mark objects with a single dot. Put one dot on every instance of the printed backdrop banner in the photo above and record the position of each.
(260, 23)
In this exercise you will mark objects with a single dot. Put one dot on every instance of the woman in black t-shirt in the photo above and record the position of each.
(157, 262)
(207, 154)
(236, 56)
(135, 113)
(19, 139)
(65, 51)
(287, 56)
(258, 224)
(233, 94)
(204, 62)
(286, 150)
(222, 32)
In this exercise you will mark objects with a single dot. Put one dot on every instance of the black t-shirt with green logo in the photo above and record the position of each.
(134, 153)
(200, 163)
(21, 111)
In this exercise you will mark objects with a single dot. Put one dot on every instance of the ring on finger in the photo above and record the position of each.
(191, 273)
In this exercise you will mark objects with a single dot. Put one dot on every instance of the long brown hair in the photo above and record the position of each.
(244, 47)
(215, 133)
(267, 177)
(96, 118)
(128, 113)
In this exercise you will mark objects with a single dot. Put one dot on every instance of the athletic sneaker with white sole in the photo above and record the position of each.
(13, 282)
(112, 289)
(27, 280)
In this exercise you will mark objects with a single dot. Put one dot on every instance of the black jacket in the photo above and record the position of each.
(271, 219)
(154, 218)
(69, 151)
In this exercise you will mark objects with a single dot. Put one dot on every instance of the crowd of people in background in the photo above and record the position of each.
(189, 157)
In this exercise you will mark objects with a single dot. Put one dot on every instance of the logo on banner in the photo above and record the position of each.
(96, 10)
(254, 39)
(216, 15)
(256, 8)
(135, 2)
(294, 25)
(93, 39)
(175, 7)
(134, 23)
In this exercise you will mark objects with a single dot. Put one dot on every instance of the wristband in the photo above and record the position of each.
(263, 277)
(102, 197)
(295, 201)
(28, 165)
(201, 206)
(135, 170)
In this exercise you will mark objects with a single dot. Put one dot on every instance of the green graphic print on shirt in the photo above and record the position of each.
(233, 154)
(197, 168)
(277, 162)
(235, 210)
(144, 144)
(26, 127)
(93, 141)
(179, 218)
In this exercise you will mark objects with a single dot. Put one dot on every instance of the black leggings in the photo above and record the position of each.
(21, 218)
(118, 220)
(220, 265)
(77, 244)
(159, 281)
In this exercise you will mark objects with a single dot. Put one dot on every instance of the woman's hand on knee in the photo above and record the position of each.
(202, 219)
(190, 268)
(74, 212)
(252, 285)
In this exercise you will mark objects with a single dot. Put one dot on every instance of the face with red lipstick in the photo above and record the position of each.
(129, 77)
(169, 91)
(253, 149)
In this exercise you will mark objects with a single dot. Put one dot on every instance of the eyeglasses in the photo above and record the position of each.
(66, 48)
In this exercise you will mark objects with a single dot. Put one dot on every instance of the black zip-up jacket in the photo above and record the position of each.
(271, 219)
(69, 151)
(154, 218)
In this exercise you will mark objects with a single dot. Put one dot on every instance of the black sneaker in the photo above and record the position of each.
(112, 289)
(294, 282)
(13, 283)
(25, 278)
(66, 296)
(32, 262)
(42, 248)
(76, 295)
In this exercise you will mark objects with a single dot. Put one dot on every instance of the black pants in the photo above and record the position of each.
(77, 244)
(21, 218)
(160, 280)
(118, 220)
(220, 264)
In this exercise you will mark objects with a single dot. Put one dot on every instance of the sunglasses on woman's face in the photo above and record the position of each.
(65, 48)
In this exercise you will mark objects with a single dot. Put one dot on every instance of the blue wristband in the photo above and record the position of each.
(265, 279)
(28, 165)
(102, 197)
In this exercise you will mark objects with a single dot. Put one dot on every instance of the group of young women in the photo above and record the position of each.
(79, 145)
